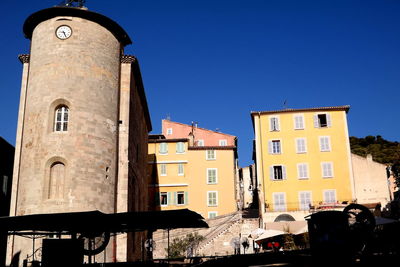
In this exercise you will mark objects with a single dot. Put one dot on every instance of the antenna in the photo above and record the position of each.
(285, 104)
(72, 3)
(168, 116)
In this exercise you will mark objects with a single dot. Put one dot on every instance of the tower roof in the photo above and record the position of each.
(33, 20)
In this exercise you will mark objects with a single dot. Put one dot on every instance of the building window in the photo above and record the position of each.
(211, 155)
(212, 176)
(180, 198)
(298, 122)
(324, 143)
(273, 124)
(330, 196)
(163, 169)
(223, 142)
(57, 179)
(212, 214)
(279, 201)
(181, 171)
(274, 147)
(327, 169)
(169, 131)
(163, 148)
(302, 171)
(305, 200)
(61, 119)
(200, 142)
(212, 198)
(277, 172)
(180, 147)
(301, 145)
(322, 120)
(164, 198)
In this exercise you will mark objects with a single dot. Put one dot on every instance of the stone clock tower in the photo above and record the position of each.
(83, 123)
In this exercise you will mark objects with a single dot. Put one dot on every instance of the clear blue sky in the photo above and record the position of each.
(214, 61)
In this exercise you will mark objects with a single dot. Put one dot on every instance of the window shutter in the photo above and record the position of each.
(175, 198)
(277, 124)
(328, 120)
(271, 121)
(271, 172)
(283, 172)
(169, 202)
(316, 124)
(186, 198)
(270, 151)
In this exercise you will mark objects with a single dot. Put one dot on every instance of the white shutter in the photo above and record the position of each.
(316, 123)
(328, 120)
(169, 200)
(271, 172)
(270, 147)
(283, 172)
(277, 124)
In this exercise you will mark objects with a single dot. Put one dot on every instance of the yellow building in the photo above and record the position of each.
(303, 159)
(197, 177)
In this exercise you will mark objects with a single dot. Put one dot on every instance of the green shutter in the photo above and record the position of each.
(186, 198)
(169, 200)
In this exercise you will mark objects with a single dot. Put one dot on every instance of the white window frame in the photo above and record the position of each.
(299, 145)
(184, 199)
(169, 131)
(317, 123)
(298, 121)
(163, 169)
(272, 149)
(214, 213)
(211, 156)
(327, 172)
(279, 206)
(208, 175)
(305, 202)
(180, 148)
(163, 148)
(181, 169)
(167, 198)
(208, 199)
(200, 142)
(274, 123)
(325, 143)
(272, 172)
(223, 142)
(302, 171)
(64, 119)
(330, 191)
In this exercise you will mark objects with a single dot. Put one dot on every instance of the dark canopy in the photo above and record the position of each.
(96, 221)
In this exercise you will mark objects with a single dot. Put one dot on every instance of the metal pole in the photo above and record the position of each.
(33, 248)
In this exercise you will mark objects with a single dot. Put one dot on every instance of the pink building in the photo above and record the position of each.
(198, 136)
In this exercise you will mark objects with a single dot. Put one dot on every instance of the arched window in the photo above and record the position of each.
(56, 181)
(61, 119)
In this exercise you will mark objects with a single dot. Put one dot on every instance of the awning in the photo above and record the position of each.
(268, 234)
(96, 221)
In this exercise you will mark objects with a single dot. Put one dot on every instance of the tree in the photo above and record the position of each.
(185, 246)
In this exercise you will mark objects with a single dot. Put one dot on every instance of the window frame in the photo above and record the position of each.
(180, 148)
(302, 206)
(323, 169)
(272, 172)
(299, 172)
(329, 191)
(277, 206)
(182, 193)
(208, 175)
(169, 131)
(212, 212)
(63, 122)
(317, 120)
(296, 125)
(208, 199)
(223, 142)
(208, 155)
(274, 123)
(298, 140)
(166, 198)
(163, 169)
(324, 143)
(272, 148)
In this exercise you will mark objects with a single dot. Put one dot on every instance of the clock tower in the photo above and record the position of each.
(83, 121)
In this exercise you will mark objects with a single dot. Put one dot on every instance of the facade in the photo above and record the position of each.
(83, 124)
(371, 182)
(248, 187)
(303, 160)
(200, 176)
(6, 170)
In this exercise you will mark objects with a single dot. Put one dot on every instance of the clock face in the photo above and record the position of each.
(63, 32)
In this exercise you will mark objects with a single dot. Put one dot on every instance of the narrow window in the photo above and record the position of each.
(212, 198)
(305, 200)
(223, 142)
(163, 169)
(212, 214)
(327, 169)
(169, 131)
(301, 145)
(298, 122)
(211, 155)
(322, 120)
(163, 198)
(302, 170)
(330, 196)
(200, 142)
(279, 201)
(275, 147)
(274, 124)
(163, 148)
(180, 147)
(61, 119)
(57, 177)
(324, 143)
(277, 172)
(181, 171)
(211, 176)
(180, 198)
